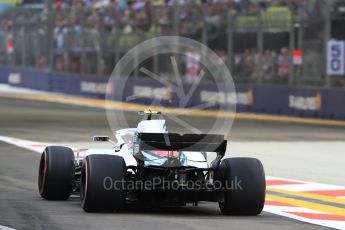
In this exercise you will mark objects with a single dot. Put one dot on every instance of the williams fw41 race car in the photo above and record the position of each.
(150, 166)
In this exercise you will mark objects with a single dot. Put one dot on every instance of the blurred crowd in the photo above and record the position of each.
(272, 66)
(309, 6)
(89, 36)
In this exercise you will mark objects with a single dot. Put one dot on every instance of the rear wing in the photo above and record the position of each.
(186, 142)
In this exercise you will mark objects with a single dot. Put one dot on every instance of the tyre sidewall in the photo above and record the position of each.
(56, 173)
(245, 194)
(99, 175)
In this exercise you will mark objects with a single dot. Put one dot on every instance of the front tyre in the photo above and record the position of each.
(56, 173)
(102, 183)
(246, 186)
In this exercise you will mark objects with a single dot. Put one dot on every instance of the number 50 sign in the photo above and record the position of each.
(336, 57)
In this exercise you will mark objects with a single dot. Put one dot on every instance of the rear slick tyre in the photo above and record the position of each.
(56, 173)
(246, 186)
(102, 183)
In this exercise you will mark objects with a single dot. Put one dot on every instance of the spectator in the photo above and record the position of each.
(60, 32)
(268, 66)
(284, 61)
(90, 35)
(193, 59)
(248, 64)
(41, 63)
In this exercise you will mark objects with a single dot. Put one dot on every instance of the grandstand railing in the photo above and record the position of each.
(257, 46)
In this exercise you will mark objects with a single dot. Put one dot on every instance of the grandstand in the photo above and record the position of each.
(89, 36)
(8, 4)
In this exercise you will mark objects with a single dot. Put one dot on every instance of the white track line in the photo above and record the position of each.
(5, 228)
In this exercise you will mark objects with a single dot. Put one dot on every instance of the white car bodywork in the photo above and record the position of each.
(123, 147)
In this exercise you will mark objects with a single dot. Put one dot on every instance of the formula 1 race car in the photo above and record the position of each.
(150, 166)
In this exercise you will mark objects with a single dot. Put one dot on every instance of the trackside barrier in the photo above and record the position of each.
(267, 99)
(5, 73)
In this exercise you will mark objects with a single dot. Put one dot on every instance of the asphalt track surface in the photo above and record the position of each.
(21, 207)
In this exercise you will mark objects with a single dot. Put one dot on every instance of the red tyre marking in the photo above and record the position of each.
(86, 180)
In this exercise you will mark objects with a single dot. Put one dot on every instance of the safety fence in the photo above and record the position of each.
(258, 45)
